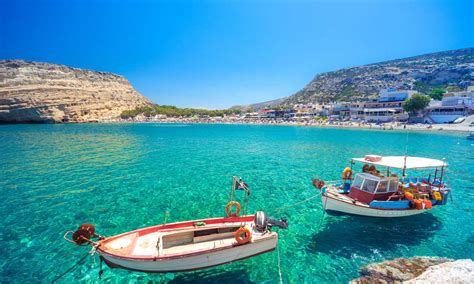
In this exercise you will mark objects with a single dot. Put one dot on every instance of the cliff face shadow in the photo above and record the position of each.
(214, 275)
(358, 235)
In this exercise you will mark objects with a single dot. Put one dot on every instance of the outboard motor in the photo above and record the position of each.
(264, 223)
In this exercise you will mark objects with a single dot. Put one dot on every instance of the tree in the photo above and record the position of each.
(437, 94)
(453, 89)
(416, 103)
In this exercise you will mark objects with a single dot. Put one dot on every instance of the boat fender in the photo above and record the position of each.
(437, 196)
(228, 209)
(242, 235)
(347, 173)
(318, 183)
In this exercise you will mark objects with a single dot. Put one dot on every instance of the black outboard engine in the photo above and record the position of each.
(264, 223)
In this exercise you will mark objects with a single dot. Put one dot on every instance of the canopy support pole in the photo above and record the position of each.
(441, 175)
(404, 166)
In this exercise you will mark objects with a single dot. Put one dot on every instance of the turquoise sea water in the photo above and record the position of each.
(124, 176)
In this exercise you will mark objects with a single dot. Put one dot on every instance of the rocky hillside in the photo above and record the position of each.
(421, 73)
(43, 92)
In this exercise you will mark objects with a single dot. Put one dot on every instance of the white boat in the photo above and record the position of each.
(375, 194)
(185, 246)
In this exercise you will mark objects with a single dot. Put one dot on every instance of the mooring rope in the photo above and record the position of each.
(71, 268)
(279, 266)
(280, 209)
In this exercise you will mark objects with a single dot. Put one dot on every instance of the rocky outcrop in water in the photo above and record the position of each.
(418, 270)
(43, 92)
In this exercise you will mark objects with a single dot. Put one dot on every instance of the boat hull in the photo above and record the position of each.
(333, 205)
(193, 262)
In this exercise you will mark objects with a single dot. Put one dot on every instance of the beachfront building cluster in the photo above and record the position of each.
(387, 107)
(454, 105)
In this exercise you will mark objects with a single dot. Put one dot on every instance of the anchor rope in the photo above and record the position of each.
(279, 266)
(324, 213)
(71, 268)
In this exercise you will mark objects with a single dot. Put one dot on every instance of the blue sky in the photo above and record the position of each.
(216, 54)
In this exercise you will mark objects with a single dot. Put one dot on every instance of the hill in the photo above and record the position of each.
(421, 73)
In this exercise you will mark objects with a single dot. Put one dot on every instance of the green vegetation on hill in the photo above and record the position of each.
(173, 111)
(437, 94)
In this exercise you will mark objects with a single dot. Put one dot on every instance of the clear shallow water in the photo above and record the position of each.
(124, 176)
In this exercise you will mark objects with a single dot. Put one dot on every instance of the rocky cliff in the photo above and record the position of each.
(419, 73)
(43, 92)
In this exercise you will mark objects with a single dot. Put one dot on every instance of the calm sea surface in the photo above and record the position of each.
(124, 176)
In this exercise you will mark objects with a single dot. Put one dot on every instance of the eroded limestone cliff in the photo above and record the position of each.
(44, 92)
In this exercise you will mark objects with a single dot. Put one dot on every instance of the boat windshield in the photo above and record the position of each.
(388, 185)
(373, 184)
(357, 183)
(369, 185)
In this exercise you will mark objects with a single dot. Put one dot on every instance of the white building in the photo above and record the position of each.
(388, 107)
(394, 95)
(453, 106)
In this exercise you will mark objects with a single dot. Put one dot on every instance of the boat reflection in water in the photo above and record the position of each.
(351, 235)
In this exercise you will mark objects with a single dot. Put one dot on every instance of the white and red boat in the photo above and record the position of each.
(185, 246)
(377, 193)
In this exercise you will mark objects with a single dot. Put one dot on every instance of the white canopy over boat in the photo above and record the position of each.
(404, 162)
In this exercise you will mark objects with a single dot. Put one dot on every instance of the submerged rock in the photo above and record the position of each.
(418, 270)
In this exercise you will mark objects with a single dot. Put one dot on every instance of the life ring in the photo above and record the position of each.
(242, 235)
(228, 209)
(347, 173)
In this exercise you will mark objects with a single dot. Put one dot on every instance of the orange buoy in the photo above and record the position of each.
(347, 173)
(228, 209)
(242, 235)
(408, 195)
(428, 204)
(418, 204)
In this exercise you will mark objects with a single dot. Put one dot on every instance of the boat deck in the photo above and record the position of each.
(174, 243)
(196, 247)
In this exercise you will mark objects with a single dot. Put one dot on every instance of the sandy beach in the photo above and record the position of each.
(466, 126)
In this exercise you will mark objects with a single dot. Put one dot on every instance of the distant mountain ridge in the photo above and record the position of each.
(421, 73)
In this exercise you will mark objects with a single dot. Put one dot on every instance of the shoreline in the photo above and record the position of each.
(397, 126)
(390, 126)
